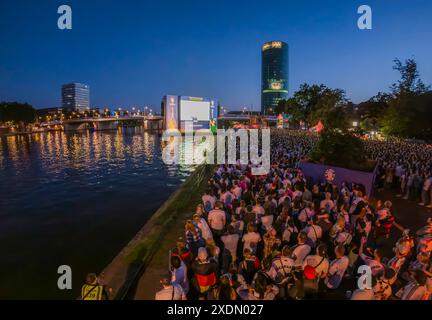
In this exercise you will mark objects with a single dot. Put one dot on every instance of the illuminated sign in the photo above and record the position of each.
(179, 109)
(272, 45)
(195, 99)
(276, 85)
(171, 112)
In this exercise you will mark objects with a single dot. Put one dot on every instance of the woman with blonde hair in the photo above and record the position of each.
(201, 223)
(193, 237)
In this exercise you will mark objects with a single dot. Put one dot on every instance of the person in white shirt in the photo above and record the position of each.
(179, 273)
(236, 191)
(258, 209)
(301, 250)
(230, 240)
(416, 289)
(170, 291)
(217, 218)
(337, 268)
(374, 263)
(327, 204)
(208, 200)
(307, 213)
(313, 231)
(318, 261)
(201, 223)
(267, 221)
(366, 293)
(251, 238)
(226, 197)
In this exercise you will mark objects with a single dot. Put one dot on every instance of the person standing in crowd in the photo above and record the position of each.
(92, 289)
(251, 239)
(170, 291)
(217, 219)
(337, 268)
(300, 250)
(230, 241)
(340, 225)
(205, 272)
(179, 273)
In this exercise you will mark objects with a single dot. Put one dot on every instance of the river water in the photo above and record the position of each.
(74, 199)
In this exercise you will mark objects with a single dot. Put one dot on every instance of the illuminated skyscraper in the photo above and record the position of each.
(274, 75)
(76, 97)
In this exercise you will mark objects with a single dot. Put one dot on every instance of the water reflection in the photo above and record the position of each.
(76, 199)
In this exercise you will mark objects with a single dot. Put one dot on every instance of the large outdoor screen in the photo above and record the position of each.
(194, 110)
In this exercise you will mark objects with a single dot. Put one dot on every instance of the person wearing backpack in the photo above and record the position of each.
(313, 232)
(337, 269)
(208, 200)
(416, 289)
(249, 266)
(170, 291)
(281, 270)
(314, 280)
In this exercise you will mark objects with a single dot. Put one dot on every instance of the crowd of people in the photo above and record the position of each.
(278, 236)
(405, 166)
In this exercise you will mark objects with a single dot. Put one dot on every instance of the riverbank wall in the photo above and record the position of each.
(124, 272)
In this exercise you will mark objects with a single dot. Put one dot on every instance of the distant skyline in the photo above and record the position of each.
(131, 53)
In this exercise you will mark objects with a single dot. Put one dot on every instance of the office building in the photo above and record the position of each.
(274, 75)
(76, 97)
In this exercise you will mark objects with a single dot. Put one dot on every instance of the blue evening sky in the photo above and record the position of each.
(133, 52)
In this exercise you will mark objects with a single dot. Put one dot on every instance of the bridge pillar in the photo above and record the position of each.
(105, 125)
(75, 126)
(153, 124)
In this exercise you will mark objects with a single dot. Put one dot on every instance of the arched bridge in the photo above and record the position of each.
(111, 123)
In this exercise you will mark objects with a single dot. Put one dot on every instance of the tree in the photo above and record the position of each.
(341, 149)
(16, 112)
(312, 103)
(409, 116)
(330, 109)
(409, 110)
(372, 111)
(410, 82)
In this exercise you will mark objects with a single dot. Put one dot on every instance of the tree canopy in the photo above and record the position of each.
(16, 112)
(312, 103)
(341, 149)
(409, 110)
(405, 111)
